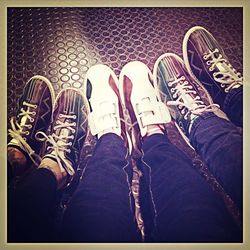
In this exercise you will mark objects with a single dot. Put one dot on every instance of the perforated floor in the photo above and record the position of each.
(63, 43)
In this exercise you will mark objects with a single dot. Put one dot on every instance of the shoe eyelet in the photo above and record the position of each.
(27, 132)
(74, 124)
(74, 116)
(29, 126)
(208, 62)
(32, 119)
(33, 113)
(60, 115)
(35, 106)
(205, 57)
(172, 90)
(25, 139)
(182, 77)
(210, 69)
(222, 85)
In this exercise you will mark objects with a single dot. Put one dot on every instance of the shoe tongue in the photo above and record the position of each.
(223, 67)
(23, 121)
(189, 100)
(62, 132)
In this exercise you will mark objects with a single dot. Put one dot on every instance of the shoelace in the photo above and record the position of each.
(230, 77)
(16, 131)
(182, 90)
(59, 144)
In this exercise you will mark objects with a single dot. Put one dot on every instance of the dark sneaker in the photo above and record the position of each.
(205, 59)
(34, 114)
(105, 114)
(179, 91)
(141, 101)
(68, 130)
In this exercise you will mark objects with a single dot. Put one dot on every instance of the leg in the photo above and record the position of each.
(101, 207)
(186, 207)
(182, 200)
(100, 210)
(31, 201)
(220, 145)
(216, 139)
(233, 106)
(31, 208)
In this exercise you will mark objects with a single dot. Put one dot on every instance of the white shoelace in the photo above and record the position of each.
(16, 131)
(60, 144)
(182, 90)
(228, 78)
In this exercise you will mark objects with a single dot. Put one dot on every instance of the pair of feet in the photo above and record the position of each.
(63, 122)
(139, 96)
(48, 127)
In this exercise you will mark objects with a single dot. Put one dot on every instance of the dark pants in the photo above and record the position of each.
(32, 208)
(101, 209)
(186, 209)
(233, 106)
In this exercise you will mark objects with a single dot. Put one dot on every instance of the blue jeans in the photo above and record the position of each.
(233, 106)
(101, 209)
(183, 206)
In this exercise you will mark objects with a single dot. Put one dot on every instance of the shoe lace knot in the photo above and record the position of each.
(60, 141)
(19, 130)
(227, 76)
(187, 97)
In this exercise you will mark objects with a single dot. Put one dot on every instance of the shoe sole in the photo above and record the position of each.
(219, 112)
